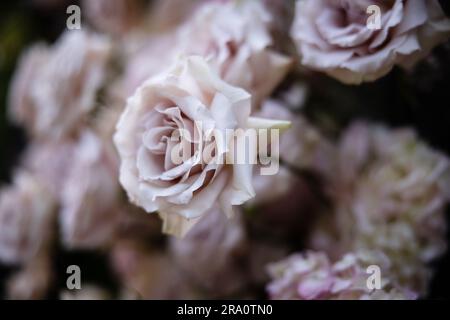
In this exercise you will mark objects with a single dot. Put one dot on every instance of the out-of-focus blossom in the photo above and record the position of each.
(334, 36)
(89, 207)
(149, 273)
(396, 203)
(54, 88)
(87, 292)
(33, 281)
(113, 16)
(234, 38)
(152, 58)
(211, 255)
(190, 98)
(312, 276)
(26, 219)
(48, 160)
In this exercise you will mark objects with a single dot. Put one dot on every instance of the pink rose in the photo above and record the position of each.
(392, 199)
(312, 276)
(27, 212)
(48, 160)
(211, 255)
(193, 100)
(234, 38)
(333, 36)
(89, 198)
(55, 88)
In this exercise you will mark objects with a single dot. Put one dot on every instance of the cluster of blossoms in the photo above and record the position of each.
(313, 276)
(107, 107)
(390, 193)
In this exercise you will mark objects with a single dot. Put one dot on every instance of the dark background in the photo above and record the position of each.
(420, 99)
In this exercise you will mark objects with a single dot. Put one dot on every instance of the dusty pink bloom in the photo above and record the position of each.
(113, 16)
(154, 56)
(211, 254)
(191, 98)
(393, 199)
(234, 38)
(312, 276)
(54, 88)
(89, 200)
(26, 219)
(48, 160)
(333, 36)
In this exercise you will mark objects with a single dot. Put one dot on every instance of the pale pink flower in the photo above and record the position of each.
(27, 212)
(89, 199)
(332, 36)
(312, 276)
(192, 98)
(48, 160)
(393, 199)
(234, 38)
(211, 255)
(55, 87)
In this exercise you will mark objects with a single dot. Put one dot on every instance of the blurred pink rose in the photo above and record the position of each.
(393, 198)
(312, 276)
(151, 58)
(193, 98)
(27, 219)
(211, 255)
(332, 36)
(89, 200)
(234, 38)
(55, 88)
(48, 160)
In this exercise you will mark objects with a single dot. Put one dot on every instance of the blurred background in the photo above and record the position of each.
(420, 99)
